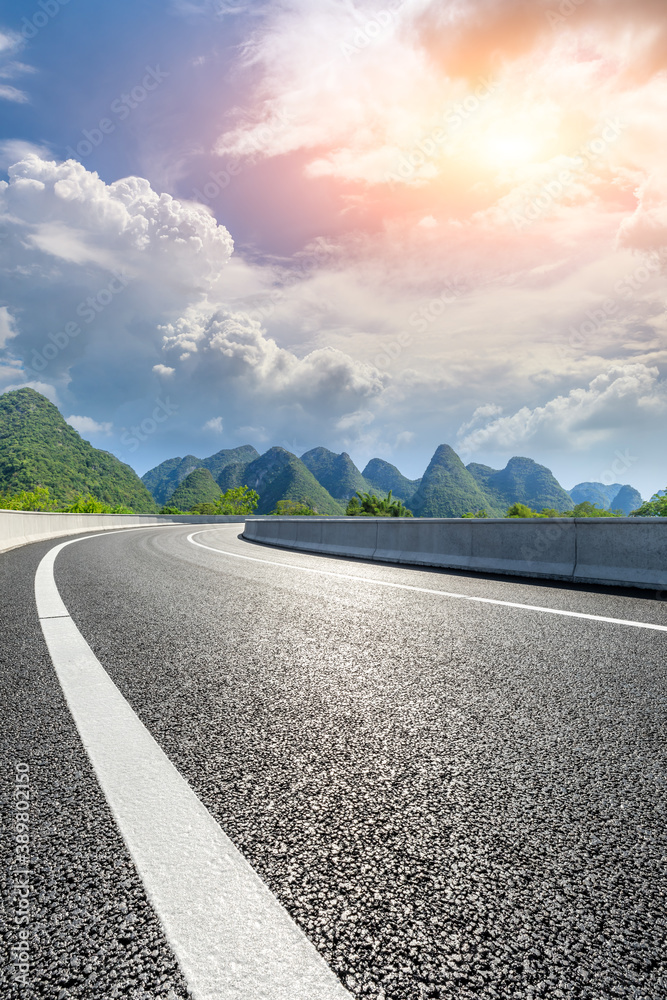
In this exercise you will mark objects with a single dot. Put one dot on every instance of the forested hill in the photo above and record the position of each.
(39, 448)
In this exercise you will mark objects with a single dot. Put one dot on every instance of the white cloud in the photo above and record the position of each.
(7, 326)
(86, 425)
(163, 370)
(10, 44)
(234, 350)
(13, 150)
(214, 424)
(621, 399)
(8, 93)
(42, 387)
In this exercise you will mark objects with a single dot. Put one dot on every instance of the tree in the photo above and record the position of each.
(588, 509)
(89, 504)
(521, 510)
(655, 507)
(241, 500)
(480, 513)
(37, 499)
(171, 510)
(40, 499)
(368, 505)
(292, 508)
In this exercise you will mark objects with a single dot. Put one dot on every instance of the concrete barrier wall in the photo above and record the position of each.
(19, 527)
(624, 551)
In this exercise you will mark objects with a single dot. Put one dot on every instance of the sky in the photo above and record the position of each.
(373, 226)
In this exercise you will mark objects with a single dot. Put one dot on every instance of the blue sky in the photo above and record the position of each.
(376, 226)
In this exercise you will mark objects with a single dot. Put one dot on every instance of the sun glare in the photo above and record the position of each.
(510, 150)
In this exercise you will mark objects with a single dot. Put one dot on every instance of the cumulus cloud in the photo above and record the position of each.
(619, 399)
(164, 370)
(88, 265)
(233, 351)
(13, 150)
(86, 425)
(215, 424)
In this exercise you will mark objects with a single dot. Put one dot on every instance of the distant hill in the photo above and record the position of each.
(198, 487)
(448, 489)
(521, 481)
(166, 477)
(614, 497)
(627, 499)
(336, 473)
(383, 477)
(232, 476)
(39, 448)
(280, 475)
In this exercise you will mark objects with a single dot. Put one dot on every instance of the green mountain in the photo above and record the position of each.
(232, 476)
(521, 481)
(279, 475)
(448, 489)
(38, 448)
(336, 473)
(166, 477)
(595, 493)
(198, 487)
(627, 499)
(383, 477)
(614, 497)
(229, 456)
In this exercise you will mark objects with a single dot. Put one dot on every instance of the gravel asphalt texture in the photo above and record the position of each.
(92, 931)
(453, 800)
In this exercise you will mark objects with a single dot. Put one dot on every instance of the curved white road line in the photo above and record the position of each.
(424, 590)
(232, 938)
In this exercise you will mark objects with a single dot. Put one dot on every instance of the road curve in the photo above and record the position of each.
(452, 799)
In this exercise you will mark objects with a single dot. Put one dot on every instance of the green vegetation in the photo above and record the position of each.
(40, 499)
(585, 509)
(336, 473)
(292, 508)
(236, 502)
(521, 481)
(383, 477)
(325, 482)
(614, 497)
(198, 487)
(449, 490)
(164, 479)
(280, 475)
(655, 507)
(39, 449)
(368, 505)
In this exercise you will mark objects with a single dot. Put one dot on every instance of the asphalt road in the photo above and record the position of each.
(452, 799)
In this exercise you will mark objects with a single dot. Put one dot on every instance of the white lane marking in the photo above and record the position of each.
(426, 590)
(232, 938)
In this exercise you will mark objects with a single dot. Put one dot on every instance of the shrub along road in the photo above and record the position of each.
(452, 799)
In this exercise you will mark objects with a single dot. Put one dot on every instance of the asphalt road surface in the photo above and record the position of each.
(452, 799)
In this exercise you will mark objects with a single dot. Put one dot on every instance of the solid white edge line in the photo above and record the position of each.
(231, 937)
(425, 590)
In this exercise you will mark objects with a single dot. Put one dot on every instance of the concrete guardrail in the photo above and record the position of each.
(620, 552)
(20, 527)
